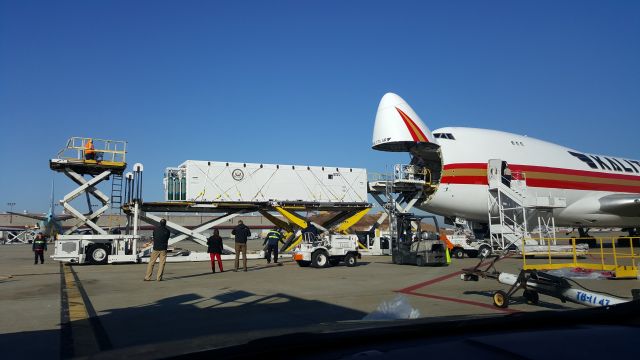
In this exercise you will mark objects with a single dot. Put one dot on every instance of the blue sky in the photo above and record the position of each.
(299, 81)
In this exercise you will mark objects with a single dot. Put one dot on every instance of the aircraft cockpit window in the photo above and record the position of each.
(444, 136)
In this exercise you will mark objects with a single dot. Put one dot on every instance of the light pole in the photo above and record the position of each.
(11, 205)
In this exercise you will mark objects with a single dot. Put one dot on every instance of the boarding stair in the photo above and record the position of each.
(515, 212)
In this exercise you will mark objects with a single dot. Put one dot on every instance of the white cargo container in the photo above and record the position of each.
(208, 181)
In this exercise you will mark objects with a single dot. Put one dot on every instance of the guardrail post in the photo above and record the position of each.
(615, 255)
(573, 250)
(601, 253)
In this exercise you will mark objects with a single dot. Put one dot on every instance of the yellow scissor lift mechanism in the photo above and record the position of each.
(347, 215)
(621, 261)
(339, 223)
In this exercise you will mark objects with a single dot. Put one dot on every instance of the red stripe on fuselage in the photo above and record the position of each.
(470, 180)
(465, 166)
(525, 168)
(576, 185)
(546, 183)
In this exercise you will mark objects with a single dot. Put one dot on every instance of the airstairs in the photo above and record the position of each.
(516, 212)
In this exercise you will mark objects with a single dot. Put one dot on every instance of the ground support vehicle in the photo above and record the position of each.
(327, 250)
(463, 245)
(414, 246)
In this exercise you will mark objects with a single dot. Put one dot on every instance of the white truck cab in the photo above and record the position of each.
(327, 250)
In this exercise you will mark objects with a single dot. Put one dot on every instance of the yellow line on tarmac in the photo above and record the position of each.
(84, 339)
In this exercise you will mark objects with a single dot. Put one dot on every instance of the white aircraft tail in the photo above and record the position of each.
(398, 127)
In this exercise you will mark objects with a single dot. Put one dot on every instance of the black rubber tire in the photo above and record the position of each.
(320, 259)
(98, 254)
(500, 299)
(484, 251)
(532, 297)
(458, 253)
(396, 259)
(420, 261)
(350, 260)
(303, 263)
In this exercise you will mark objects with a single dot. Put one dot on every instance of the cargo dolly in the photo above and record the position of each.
(535, 282)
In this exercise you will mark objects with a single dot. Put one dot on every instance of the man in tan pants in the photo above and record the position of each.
(241, 233)
(160, 243)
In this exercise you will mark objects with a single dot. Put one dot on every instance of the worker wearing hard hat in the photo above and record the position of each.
(89, 150)
(271, 240)
(39, 247)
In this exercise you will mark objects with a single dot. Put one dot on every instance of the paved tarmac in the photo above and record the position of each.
(53, 311)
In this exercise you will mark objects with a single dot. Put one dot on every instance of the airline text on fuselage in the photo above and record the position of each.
(608, 163)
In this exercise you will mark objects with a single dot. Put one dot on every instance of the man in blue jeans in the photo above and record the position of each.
(271, 240)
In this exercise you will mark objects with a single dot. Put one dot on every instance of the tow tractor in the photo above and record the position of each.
(412, 245)
(467, 245)
(464, 240)
(327, 250)
(535, 282)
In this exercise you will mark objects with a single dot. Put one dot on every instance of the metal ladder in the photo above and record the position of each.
(116, 192)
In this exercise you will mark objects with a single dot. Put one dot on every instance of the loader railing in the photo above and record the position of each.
(618, 255)
(108, 150)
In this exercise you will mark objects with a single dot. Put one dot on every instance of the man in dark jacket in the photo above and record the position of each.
(241, 233)
(160, 243)
(271, 240)
(39, 247)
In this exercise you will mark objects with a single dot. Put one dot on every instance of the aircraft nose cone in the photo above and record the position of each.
(397, 127)
(390, 100)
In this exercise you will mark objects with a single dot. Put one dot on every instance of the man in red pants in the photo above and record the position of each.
(214, 248)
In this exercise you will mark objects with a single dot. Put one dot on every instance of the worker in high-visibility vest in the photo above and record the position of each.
(39, 247)
(271, 240)
(89, 150)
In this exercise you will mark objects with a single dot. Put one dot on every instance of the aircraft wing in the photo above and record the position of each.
(29, 215)
(621, 204)
(12, 228)
(64, 217)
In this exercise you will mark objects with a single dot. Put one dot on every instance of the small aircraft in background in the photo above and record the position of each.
(49, 224)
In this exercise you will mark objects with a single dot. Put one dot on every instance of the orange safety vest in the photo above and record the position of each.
(88, 147)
